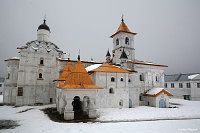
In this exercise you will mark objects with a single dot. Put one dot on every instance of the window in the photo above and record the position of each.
(122, 79)
(117, 41)
(111, 91)
(129, 80)
(172, 85)
(157, 78)
(186, 97)
(40, 75)
(41, 61)
(198, 85)
(1, 93)
(121, 103)
(180, 85)
(8, 76)
(0, 85)
(141, 77)
(127, 40)
(20, 91)
(165, 85)
(188, 85)
(51, 100)
(112, 79)
(140, 98)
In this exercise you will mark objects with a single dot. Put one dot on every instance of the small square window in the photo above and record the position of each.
(141, 77)
(198, 85)
(20, 91)
(188, 85)
(180, 85)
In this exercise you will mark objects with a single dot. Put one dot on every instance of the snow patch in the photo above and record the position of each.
(92, 67)
(192, 76)
(154, 91)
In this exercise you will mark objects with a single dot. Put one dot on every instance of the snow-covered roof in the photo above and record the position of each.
(181, 77)
(193, 76)
(156, 91)
(92, 67)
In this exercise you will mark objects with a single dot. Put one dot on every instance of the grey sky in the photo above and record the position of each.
(168, 30)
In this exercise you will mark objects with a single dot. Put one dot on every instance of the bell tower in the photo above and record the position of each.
(123, 41)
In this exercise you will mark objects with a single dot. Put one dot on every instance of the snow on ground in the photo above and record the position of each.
(186, 109)
(35, 121)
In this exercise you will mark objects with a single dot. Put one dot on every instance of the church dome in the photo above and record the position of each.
(44, 26)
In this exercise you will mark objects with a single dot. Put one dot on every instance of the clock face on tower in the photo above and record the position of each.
(127, 53)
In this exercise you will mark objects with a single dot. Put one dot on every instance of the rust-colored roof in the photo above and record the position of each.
(157, 94)
(123, 28)
(110, 68)
(79, 79)
(145, 63)
(67, 70)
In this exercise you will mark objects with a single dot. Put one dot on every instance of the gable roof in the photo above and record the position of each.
(156, 92)
(67, 70)
(181, 77)
(123, 28)
(109, 68)
(79, 79)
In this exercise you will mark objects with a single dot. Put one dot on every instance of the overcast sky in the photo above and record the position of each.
(168, 30)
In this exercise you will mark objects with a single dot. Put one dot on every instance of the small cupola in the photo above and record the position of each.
(44, 26)
(43, 32)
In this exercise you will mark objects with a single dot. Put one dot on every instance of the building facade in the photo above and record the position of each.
(1, 85)
(184, 86)
(30, 77)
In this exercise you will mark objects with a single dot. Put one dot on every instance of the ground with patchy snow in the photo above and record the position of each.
(31, 119)
(186, 109)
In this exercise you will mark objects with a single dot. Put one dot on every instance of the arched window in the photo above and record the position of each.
(112, 79)
(157, 78)
(117, 41)
(122, 79)
(41, 61)
(111, 90)
(40, 75)
(129, 80)
(127, 40)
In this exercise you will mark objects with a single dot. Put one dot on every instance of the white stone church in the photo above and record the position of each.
(41, 75)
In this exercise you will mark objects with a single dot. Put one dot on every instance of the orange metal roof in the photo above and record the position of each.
(110, 68)
(79, 79)
(166, 92)
(123, 28)
(67, 70)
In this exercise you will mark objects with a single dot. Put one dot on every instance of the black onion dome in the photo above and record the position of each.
(44, 26)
